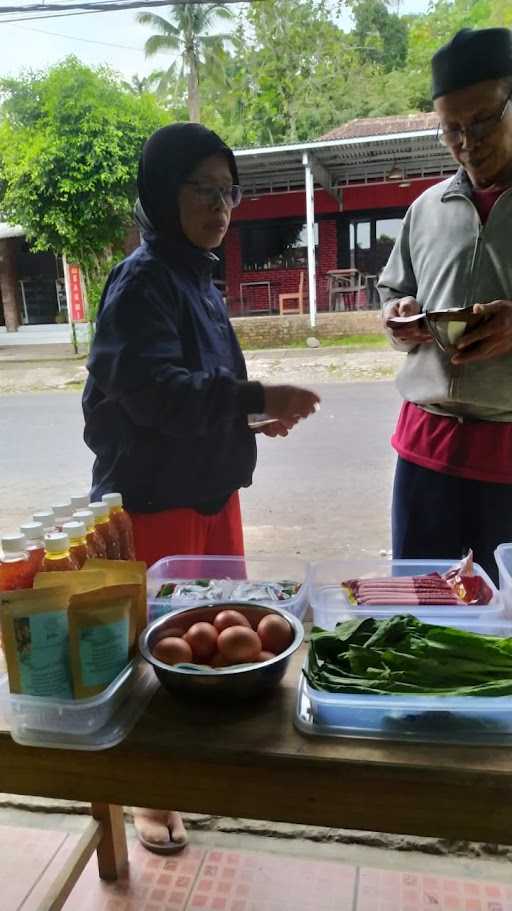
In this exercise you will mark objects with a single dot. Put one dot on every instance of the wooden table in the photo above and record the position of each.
(249, 761)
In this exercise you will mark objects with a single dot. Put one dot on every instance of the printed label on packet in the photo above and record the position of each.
(43, 658)
(104, 651)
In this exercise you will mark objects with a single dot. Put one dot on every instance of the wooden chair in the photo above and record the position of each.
(296, 296)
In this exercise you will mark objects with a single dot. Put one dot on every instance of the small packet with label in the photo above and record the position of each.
(36, 642)
(124, 572)
(102, 632)
(74, 579)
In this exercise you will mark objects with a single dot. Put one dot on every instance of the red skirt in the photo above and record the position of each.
(185, 531)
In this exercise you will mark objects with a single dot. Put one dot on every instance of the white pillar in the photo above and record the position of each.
(310, 225)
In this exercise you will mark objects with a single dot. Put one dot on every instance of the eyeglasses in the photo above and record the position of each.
(476, 131)
(210, 194)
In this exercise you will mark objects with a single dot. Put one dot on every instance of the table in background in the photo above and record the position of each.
(341, 282)
(254, 285)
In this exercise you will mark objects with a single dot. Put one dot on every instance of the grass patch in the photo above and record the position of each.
(331, 341)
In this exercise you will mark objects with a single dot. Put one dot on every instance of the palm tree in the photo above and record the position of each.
(187, 31)
(141, 85)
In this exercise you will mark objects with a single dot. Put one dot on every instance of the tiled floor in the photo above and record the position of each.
(389, 890)
(230, 880)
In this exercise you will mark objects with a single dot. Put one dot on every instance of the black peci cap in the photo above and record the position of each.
(471, 56)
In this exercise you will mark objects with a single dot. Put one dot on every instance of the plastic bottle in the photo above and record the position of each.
(63, 513)
(34, 535)
(120, 518)
(15, 564)
(95, 544)
(80, 502)
(47, 520)
(77, 543)
(56, 554)
(107, 530)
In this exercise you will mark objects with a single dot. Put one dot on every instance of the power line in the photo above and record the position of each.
(42, 31)
(52, 16)
(99, 6)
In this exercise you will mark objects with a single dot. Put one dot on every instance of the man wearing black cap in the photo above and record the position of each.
(453, 482)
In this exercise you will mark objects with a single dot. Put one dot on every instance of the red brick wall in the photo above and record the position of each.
(283, 205)
(282, 281)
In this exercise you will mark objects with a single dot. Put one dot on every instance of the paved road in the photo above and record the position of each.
(323, 490)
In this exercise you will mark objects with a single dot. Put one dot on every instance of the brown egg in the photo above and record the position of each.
(239, 644)
(227, 618)
(265, 656)
(218, 660)
(172, 650)
(202, 638)
(275, 633)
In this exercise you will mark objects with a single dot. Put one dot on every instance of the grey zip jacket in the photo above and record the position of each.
(445, 257)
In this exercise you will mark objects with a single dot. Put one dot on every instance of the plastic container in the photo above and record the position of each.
(441, 719)
(34, 534)
(15, 566)
(47, 520)
(86, 724)
(331, 605)
(62, 513)
(503, 557)
(80, 502)
(57, 556)
(121, 520)
(106, 530)
(248, 569)
(78, 549)
(95, 543)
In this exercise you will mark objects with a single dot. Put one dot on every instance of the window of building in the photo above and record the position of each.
(366, 239)
(274, 245)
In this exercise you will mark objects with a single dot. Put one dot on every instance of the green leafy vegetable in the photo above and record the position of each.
(404, 655)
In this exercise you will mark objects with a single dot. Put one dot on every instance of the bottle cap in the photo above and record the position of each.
(81, 502)
(74, 530)
(112, 499)
(33, 531)
(46, 518)
(99, 510)
(14, 544)
(61, 510)
(56, 542)
(86, 516)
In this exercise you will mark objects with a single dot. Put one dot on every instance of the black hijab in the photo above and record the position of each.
(169, 156)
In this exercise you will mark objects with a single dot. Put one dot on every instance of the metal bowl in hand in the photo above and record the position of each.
(448, 326)
(235, 682)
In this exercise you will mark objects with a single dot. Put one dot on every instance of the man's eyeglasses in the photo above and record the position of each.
(210, 194)
(476, 131)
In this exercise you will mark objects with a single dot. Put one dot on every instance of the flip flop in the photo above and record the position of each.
(166, 847)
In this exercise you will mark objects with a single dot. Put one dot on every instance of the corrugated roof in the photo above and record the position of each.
(383, 126)
(346, 161)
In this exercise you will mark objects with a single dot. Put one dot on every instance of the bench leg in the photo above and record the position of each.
(112, 850)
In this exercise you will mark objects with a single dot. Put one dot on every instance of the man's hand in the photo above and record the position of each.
(413, 334)
(289, 403)
(277, 428)
(491, 338)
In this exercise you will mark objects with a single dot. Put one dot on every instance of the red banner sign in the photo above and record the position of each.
(75, 294)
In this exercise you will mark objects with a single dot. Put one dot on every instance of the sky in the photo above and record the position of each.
(112, 38)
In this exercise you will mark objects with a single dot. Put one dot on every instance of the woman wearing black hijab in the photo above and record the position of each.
(167, 398)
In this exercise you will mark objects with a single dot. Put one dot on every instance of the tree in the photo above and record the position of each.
(70, 139)
(187, 32)
(141, 85)
(293, 74)
(379, 33)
